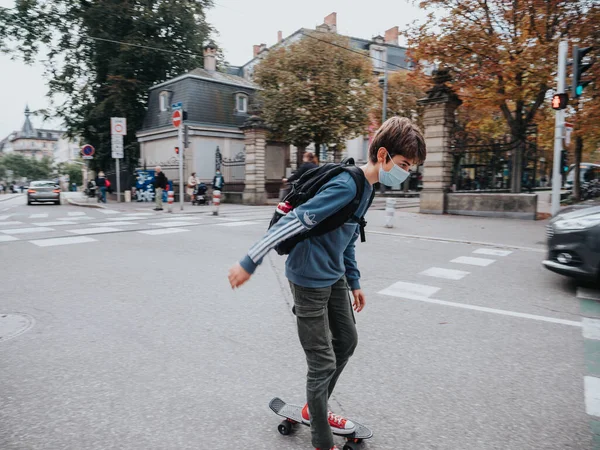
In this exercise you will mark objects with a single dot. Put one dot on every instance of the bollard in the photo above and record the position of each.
(171, 197)
(390, 206)
(216, 201)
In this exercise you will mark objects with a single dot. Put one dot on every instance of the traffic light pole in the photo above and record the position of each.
(559, 125)
(181, 180)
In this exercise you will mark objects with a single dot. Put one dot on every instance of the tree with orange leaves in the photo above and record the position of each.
(503, 53)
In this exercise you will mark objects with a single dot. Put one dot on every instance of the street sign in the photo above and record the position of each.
(177, 118)
(118, 126)
(568, 130)
(117, 146)
(87, 151)
(178, 105)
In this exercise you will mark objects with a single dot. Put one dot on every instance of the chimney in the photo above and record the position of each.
(210, 57)
(391, 36)
(331, 22)
(257, 49)
(279, 36)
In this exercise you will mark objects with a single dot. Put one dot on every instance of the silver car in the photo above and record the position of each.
(43, 191)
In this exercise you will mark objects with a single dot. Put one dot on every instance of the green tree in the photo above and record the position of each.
(402, 96)
(313, 91)
(100, 58)
(24, 167)
(74, 171)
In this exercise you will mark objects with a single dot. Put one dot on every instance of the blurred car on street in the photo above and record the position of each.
(574, 242)
(43, 191)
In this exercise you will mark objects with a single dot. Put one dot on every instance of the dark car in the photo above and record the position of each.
(43, 191)
(574, 242)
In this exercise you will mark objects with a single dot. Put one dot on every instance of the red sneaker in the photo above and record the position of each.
(337, 423)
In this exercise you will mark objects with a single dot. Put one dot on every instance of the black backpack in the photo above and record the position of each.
(307, 187)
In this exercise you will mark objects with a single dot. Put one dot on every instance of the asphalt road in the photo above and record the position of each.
(136, 340)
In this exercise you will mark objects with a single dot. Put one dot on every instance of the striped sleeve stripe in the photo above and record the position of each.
(268, 239)
(263, 247)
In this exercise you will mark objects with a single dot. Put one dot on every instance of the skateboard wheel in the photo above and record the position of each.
(285, 428)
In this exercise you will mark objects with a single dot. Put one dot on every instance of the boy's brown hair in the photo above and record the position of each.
(399, 136)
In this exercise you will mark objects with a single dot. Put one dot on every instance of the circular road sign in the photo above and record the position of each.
(88, 150)
(177, 118)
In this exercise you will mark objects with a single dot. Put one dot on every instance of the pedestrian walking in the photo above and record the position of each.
(191, 186)
(322, 268)
(101, 183)
(160, 184)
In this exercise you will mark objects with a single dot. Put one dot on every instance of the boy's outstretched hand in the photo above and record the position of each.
(237, 276)
(359, 300)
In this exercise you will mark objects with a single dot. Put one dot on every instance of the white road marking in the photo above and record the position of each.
(138, 214)
(409, 296)
(592, 395)
(591, 329)
(68, 219)
(8, 238)
(115, 223)
(62, 241)
(483, 262)
(53, 224)
(163, 231)
(122, 218)
(447, 274)
(38, 216)
(109, 211)
(6, 216)
(227, 219)
(171, 224)
(2, 224)
(236, 224)
(73, 214)
(492, 252)
(27, 230)
(98, 230)
(397, 289)
(588, 294)
(458, 241)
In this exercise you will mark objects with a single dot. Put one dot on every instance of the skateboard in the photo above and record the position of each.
(293, 416)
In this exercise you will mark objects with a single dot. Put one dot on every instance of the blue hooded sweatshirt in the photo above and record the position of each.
(319, 261)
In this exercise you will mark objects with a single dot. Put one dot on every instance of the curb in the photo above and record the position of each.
(84, 205)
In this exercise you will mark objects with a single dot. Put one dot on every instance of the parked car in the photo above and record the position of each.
(587, 173)
(43, 191)
(574, 242)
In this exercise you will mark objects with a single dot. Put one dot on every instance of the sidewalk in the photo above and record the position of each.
(6, 197)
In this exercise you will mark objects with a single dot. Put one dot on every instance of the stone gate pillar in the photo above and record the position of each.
(440, 104)
(255, 135)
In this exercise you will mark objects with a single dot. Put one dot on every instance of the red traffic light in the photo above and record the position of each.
(177, 150)
(560, 101)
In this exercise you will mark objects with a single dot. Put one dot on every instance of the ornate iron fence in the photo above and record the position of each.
(233, 170)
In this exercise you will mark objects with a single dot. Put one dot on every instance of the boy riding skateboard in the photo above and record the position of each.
(322, 268)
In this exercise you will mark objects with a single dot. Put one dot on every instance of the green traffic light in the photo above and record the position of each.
(579, 90)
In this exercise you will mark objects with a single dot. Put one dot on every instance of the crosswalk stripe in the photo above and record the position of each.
(38, 216)
(6, 216)
(483, 262)
(3, 224)
(76, 213)
(62, 241)
(492, 252)
(171, 224)
(53, 224)
(109, 211)
(448, 274)
(592, 395)
(401, 287)
(8, 238)
(115, 223)
(98, 230)
(236, 224)
(27, 230)
(68, 219)
(163, 231)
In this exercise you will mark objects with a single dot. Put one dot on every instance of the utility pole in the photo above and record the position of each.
(559, 124)
(385, 90)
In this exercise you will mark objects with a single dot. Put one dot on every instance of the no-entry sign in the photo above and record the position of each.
(177, 118)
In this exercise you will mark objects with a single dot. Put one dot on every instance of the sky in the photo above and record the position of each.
(240, 25)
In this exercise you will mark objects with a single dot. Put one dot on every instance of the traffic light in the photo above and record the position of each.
(184, 115)
(578, 69)
(560, 101)
(177, 150)
(564, 164)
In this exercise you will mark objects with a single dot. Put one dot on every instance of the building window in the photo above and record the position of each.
(378, 57)
(241, 103)
(164, 100)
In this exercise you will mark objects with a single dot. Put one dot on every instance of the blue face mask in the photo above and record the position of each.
(395, 177)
